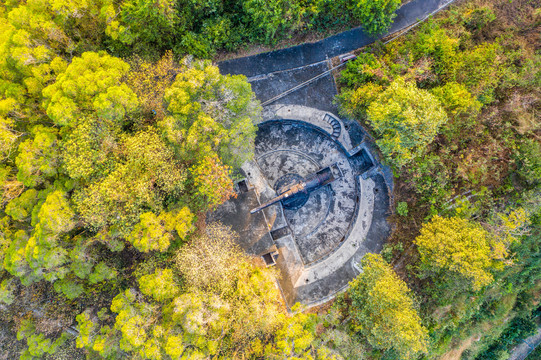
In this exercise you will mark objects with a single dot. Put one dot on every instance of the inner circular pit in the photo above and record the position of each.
(286, 153)
(283, 184)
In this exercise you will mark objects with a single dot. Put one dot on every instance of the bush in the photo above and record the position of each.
(479, 18)
(402, 208)
(354, 103)
(528, 158)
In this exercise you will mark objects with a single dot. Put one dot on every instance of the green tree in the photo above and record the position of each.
(211, 113)
(37, 344)
(92, 82)
(56, 215)
(382, 310)
(293, 339)
(406, 119)
(37, 160)
(376, 16)
(42, 254)
(21, 207)
(270, 19)
(7, 288)
(480, 70)
(146, 25)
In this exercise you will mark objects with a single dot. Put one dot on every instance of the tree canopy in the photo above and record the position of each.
(383, 311)
(451, 247)
(406, 120)
(116, 140)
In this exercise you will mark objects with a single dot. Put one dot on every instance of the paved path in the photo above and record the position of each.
(311, 53)
(521, 351)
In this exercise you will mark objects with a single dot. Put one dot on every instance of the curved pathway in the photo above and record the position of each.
(525, 347)
(312, 53)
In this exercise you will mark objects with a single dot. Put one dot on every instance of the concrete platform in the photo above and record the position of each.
(320, 244)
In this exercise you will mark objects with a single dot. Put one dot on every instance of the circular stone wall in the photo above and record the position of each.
(296, 149)
(317, 239)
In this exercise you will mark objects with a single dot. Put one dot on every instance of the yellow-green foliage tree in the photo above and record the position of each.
(105, 174)
(156, 232)
(454, 249)
(213, 264)
(382, 310)
(144, 173)
(209, 113)
(149, 81)
(90, 101)
(228, 307)
(37, 158)
(91, 83)
(8, 136)
(406, 119)
(456, 99)
(212, 179)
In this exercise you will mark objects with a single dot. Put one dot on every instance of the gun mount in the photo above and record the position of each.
(293, 190)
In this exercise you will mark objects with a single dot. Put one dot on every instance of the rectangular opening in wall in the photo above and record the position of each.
(243, 186)
(280, 233)
(270, 258)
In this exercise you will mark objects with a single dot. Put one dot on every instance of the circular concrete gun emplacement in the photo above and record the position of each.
(314, 197)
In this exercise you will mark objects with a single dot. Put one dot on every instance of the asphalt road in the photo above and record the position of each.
(310, 53)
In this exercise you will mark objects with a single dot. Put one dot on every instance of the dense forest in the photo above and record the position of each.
(118, 135)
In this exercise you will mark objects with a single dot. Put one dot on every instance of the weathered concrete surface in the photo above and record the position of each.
(253, 229)
(287, 147)
(325, 287)
(317, 52)
(312, 116)
(318, 94)
(357, 235)
(325, 239)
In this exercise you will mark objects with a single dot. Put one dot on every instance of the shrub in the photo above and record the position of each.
(402, 208)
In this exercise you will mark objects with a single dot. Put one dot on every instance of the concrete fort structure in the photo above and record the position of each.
(317, 238)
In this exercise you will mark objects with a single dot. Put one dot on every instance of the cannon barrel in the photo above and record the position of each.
(319, 179)
(310, 183)
(295, 189)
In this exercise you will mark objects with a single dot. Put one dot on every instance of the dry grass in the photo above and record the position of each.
(456, 353)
